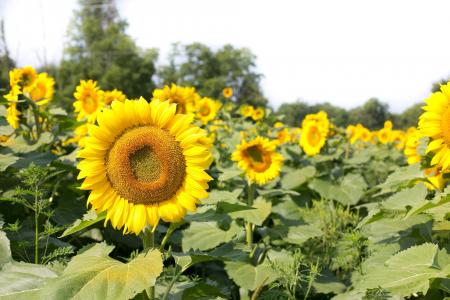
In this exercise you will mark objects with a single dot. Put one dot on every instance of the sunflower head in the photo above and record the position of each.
(435, 179)
(258, 114)
(144, 162)
(89, 100)
(388, 124)
(283, 136)
(258, 159)
(29, 76)
(399, 139)
(114, 95)
(246, 110)
(184, 97)
(227, 92)
(410, 151)
(313, 138)
(42, 90)
(206, 109)
(12, 115)
(321, 119)
(435, 124)
(384, 135)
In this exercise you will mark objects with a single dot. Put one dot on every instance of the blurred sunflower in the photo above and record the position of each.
(227, 92)
(246, 110)
(384, 135)
(42, 90)
(410, 151)
(89, 100)
(321, 118)
(351, 133)
(278, 125)
(184, 97)
(81, 133)
(110, 96)
(435, 177)
(143, 163)
(206, 109)
(365, 135)
(13, 94)
(258, 159)
(435, 124)
(283, 136)
(12, 115)
(313, 138)
(258, 114)
(398, 137)
(24, 77)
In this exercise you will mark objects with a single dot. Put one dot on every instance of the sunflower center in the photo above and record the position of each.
(313, 136)
(205, 110)
(89, 104)
(445, 126)
(258, 159)
(146, 165)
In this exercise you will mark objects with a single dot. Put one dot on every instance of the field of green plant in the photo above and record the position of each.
(178, 195)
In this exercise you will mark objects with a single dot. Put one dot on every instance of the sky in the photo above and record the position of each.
(343, 52)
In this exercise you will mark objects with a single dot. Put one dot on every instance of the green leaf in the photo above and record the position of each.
(216, 196)
(229, 173)
(408, 272)
(226, 207)
(294, 179)
(23, 280)
(300, 234)
(202, 291)
(262, 209)
(401, 177)
(411, 197)
(360, 157)
(89, 218)
(94, 275)
(248, 276)
(6, 130)
(20, 145)
(5, 251)
(7, 160)
(206, 235)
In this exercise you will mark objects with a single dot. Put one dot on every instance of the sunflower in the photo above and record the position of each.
(258, 114)
(184, 97)
(313, 138)
(24, 77)
(246, 110)
(384, 135)
(227, 92)
(206, 109)
(258, 159)
(81, 133)
(110, 96)
(143, 163)
(365, 135)
(398, 137)
(278, 125)
(435, 178)
(295, 134)
(12, 115)
(89, 100)
(321, 118)
(283, 136)
(42, 89)
(350, 131)
(13, 94)
(435, 124)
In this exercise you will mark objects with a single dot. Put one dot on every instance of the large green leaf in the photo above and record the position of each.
(409, 271)
(202, 291)
(296, 178)
(89, 218)
(216, 196)
(94, 275)
(300, 234)
(262, 209)
(7, 160)
(248, 276)
(401, 177)
(406, 198)
(20, 145)
(207, 235)
(23, 280)
(5, 251)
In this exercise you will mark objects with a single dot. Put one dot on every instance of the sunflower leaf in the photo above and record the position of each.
(89, 218)
(94, 275)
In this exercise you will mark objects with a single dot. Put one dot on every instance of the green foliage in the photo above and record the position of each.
(211, 71)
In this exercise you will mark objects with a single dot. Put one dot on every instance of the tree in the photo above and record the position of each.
(6, 63)
(100, 49)
(372, 114)
(210, 71)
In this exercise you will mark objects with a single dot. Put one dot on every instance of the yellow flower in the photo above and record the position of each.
(23, 77)
(258, 159)
(13, 94)
(384, 135)
(321, 118)
(206, 109)
(435, 124)
(412, 142)
(278, 125)
(284, 136)
(81, 132)
(227, 92)
(42, 89)
(89, 100)
(110, 96)
(313, 138)
(246, 110)
(12, 115)
(388, 124)
(435, 178)
(143, 163)
(365, 135)
(351, 133)
(258, 114)
(184, 97)
(398, 137)
(295, 134)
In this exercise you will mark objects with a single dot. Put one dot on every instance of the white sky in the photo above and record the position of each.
(343, 51)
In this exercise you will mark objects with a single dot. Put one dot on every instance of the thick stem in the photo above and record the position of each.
(148, 242)
(170, 230)
(249, 225)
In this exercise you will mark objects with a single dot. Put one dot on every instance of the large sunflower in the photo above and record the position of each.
(313, 137)
(435, 124)
(258, 159)
(89, 100)
(144, 162)
(184, 97)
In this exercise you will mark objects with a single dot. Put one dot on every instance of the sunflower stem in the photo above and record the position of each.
(148, 241)
(170, 230)
(249, 225)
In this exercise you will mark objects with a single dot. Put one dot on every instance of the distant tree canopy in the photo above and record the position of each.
(6, 63)
(99, 49)
(210, 71)
(371, 114)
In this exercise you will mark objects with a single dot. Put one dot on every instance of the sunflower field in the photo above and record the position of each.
(178, 195)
